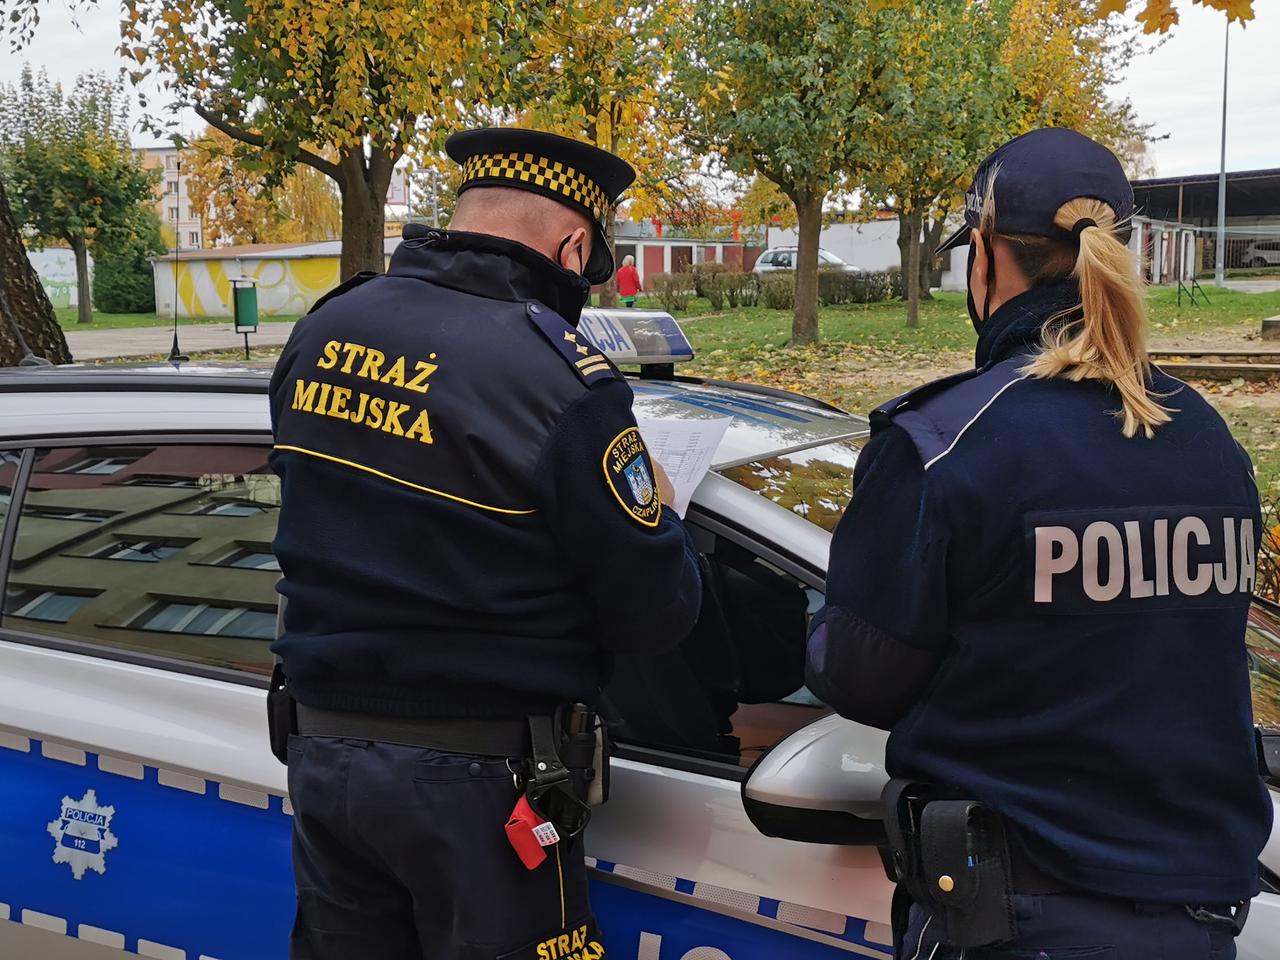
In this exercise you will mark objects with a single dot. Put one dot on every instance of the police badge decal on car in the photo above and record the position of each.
(82, 834)
(626, 470)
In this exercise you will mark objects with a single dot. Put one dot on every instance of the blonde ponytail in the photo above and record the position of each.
(1108, 342)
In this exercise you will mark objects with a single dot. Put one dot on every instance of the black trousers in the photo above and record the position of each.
(399, 853)
(1068, 926)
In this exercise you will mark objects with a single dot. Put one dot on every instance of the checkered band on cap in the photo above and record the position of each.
(530, 168)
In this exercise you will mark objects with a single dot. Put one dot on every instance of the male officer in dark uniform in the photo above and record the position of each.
(470, 528)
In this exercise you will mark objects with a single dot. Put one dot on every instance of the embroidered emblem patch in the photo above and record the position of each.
(629, 476)
(82, 834)
(581, 941)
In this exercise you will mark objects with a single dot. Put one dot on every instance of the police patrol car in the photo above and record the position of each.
(142, 813)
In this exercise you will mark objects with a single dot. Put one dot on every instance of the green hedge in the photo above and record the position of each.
(123, 279)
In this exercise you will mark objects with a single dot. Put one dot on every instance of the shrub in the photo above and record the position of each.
(778, 290)
(1268, 582)
(741, 289)
(897, 288)
(704, 275)
(713, 288)
(836, 286)
(123, 279)
(672, 290)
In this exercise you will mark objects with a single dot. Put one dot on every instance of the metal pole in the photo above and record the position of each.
(1220, 254)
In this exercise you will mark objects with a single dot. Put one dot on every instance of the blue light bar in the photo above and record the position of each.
(636, 336)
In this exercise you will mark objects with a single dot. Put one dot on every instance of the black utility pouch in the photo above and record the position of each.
(282, 714)
(964, 860)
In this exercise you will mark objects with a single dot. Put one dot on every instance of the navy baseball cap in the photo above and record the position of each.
(1037, 173)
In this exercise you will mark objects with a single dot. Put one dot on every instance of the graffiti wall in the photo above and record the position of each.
(56, 268)
(286, 287)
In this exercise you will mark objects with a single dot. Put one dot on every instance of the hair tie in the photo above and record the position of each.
(1081, 225)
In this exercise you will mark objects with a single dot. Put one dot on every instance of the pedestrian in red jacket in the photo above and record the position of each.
(628, 281)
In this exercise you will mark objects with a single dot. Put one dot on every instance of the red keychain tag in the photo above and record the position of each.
(528, 833)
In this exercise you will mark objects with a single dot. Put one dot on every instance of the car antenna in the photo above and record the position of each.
(29, 358)
(176, 356)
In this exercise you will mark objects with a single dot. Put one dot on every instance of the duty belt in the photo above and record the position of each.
(492, 738)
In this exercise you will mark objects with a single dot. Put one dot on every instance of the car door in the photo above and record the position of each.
(143, 810)
(678, 869)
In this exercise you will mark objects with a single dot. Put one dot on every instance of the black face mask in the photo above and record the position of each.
(582, 281)
(973, 307)
(991, 282)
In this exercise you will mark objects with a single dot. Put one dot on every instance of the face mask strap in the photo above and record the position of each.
(560, 252)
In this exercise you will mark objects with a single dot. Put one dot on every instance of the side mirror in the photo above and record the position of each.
(822, 784)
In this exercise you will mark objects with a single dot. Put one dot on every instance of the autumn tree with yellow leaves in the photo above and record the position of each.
(241, 202)
(595, 71)
(345, 87)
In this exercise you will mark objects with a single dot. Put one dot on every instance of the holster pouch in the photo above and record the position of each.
(282, 714)
(952, 857)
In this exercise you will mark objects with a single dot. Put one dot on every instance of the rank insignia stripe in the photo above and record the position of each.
(592, 368)
(629, 476)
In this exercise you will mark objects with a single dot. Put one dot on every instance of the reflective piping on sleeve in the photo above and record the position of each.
(972, 421)
(406, 483)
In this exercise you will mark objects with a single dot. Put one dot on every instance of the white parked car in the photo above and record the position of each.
(784, 258)
(141, 811)
(1262, 253)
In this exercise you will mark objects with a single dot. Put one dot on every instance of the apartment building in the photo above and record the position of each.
(179, 218)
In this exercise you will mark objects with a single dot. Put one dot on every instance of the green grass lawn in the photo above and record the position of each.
(69, 316)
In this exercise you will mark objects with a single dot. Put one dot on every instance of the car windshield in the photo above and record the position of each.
(815, 483)
(830, 258)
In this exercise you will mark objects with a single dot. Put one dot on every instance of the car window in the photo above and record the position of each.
(815, 483)
(9, 460)
(162, 550)
(1262, 638)
(782, 259)
(735, 686)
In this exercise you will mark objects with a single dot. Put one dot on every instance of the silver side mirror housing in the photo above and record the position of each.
(822, 784)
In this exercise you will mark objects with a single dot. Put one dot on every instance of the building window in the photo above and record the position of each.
(33, 603)
(65, 513)
(173, 186)
(229, 509)
(191, 212)
(207, 619)
(193, 238)
(104, 465)
(150, 480)
(168, 162)
(173, 213)
(141, 551)
(251, 558)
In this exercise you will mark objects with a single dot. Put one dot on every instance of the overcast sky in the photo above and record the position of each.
(1178, 87)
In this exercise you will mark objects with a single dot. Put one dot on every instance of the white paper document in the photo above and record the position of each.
(686, 449)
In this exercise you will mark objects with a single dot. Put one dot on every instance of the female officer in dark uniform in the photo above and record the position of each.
(1040, 587)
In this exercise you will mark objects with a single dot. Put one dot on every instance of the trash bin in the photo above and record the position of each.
(245, 304)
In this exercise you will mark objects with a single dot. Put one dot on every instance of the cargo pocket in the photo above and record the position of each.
(575, 941)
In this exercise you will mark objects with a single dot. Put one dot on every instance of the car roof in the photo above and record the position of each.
(76, 400)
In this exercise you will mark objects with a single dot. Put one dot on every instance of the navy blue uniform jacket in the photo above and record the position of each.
(469, 525)
(1050, 617)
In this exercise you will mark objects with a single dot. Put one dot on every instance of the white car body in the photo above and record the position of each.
(784, 258)
(192, 859)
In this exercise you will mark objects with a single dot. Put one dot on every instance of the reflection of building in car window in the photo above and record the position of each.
(815, 483)
(735, 686)
(193, 525)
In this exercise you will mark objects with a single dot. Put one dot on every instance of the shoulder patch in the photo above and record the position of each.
(579, 352)
(362, 277)
(629, 476)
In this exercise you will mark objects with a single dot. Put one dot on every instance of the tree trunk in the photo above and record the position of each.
(609, 292)
(804, 324)
(364, 197)
(23, 301)
(932, 237)
(84, 295)
(911, 276)
(904, 243)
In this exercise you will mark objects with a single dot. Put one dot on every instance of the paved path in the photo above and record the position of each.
(1255, 285)
(147, 341)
